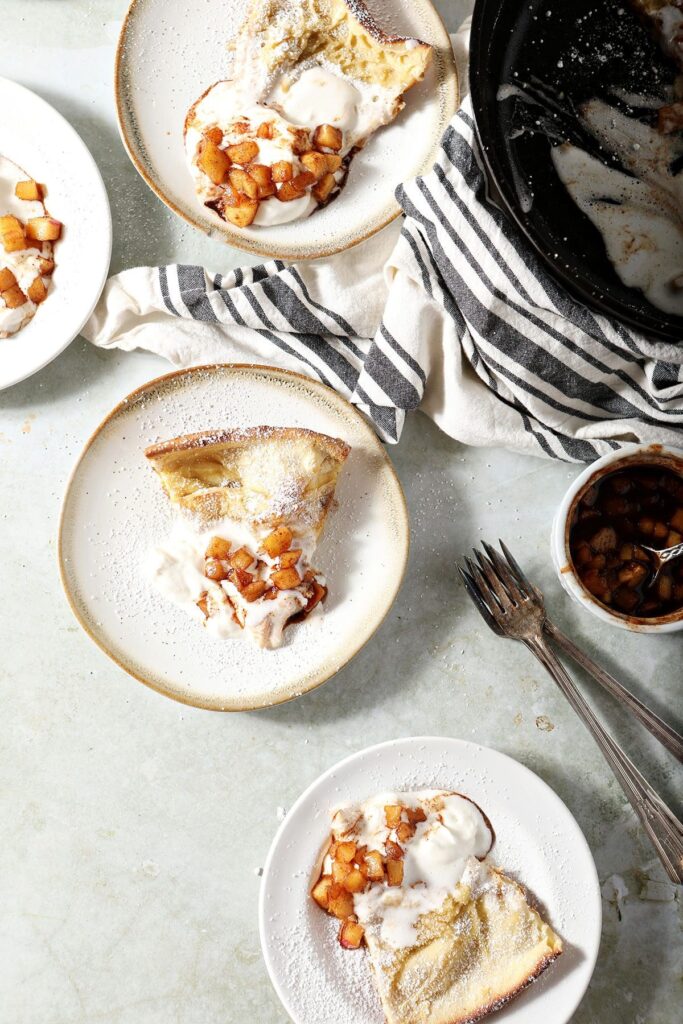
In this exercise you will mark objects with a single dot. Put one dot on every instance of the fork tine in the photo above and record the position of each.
(503, 572)
(523, 581)
(486, 591)
(478, 601)
(493, 579)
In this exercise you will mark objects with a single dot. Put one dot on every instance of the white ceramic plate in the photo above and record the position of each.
(170, 52)
(43, 144)
(538, 842)
(115, 510)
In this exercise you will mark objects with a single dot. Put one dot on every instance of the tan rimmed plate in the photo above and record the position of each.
(169, 52)
(114, 510)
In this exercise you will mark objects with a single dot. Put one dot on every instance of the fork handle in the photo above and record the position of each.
(666, 735)
(660, 823)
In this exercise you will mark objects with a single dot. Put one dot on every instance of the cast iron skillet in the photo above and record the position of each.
(577, 49)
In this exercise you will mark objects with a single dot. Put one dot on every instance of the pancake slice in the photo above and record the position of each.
(450, 937)
(474, 955)
(254, 503)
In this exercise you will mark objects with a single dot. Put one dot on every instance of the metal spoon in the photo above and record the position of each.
(662, 557)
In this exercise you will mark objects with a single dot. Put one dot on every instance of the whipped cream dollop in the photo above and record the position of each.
(303, 99)
(175, 569)
(24, 264)
(443, 853)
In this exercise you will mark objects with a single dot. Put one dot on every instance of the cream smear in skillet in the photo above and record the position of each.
(638, 211)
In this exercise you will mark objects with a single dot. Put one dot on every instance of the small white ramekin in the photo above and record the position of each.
(656, 454)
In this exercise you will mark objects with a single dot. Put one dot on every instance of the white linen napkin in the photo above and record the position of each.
(446, 309)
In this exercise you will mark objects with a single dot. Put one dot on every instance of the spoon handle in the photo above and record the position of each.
(668, 554)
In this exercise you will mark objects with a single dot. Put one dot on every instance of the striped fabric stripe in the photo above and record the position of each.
(567, 379)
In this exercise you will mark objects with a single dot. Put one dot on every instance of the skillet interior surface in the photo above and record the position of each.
(565, 53)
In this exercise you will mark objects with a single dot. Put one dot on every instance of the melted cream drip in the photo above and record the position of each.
(25, 264)
(437, 858)
(640, 218)
(175, 569)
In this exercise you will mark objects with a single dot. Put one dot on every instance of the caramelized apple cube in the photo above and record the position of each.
(46, 267)
(288, 192)
(676, 521)
(405, 831)
(216, 569)
(214, 135)
(334, 161)
(303, 180)
(240, 579)
(243, 182)
(12, 234)
(241, 559)
(374, 866)
(301, 141)
(392, 815)
(7, 279)
(320, 892)
(316, 163)
(346, 852)
(322, 190)
(282, 170)
(265, 130)
(339, 901)
(43, 229)
(355, 881)
(213, 161)
(14, 297)
(319, 594)
(243, 214)
(340, 870)
(415, 815)
(37, 292)
(326, 136)
(351, 934)
(286, 579)
(29, 190)
(262, 174)
(254, 590)
(203, 606)
(217, 547)
(394, 872)
(394, 851)
(289, 558)
(243, 152)
(277, 542)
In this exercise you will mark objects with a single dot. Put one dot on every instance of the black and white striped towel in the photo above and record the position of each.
(449, 311)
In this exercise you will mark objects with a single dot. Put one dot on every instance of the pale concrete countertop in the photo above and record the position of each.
(133, 828)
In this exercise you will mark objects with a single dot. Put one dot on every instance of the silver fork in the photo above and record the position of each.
(661, 730)
(511, 612)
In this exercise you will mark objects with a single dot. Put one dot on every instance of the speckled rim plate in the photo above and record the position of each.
(170, 52)
(44, 144)
(538, 842)
(114, 510)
